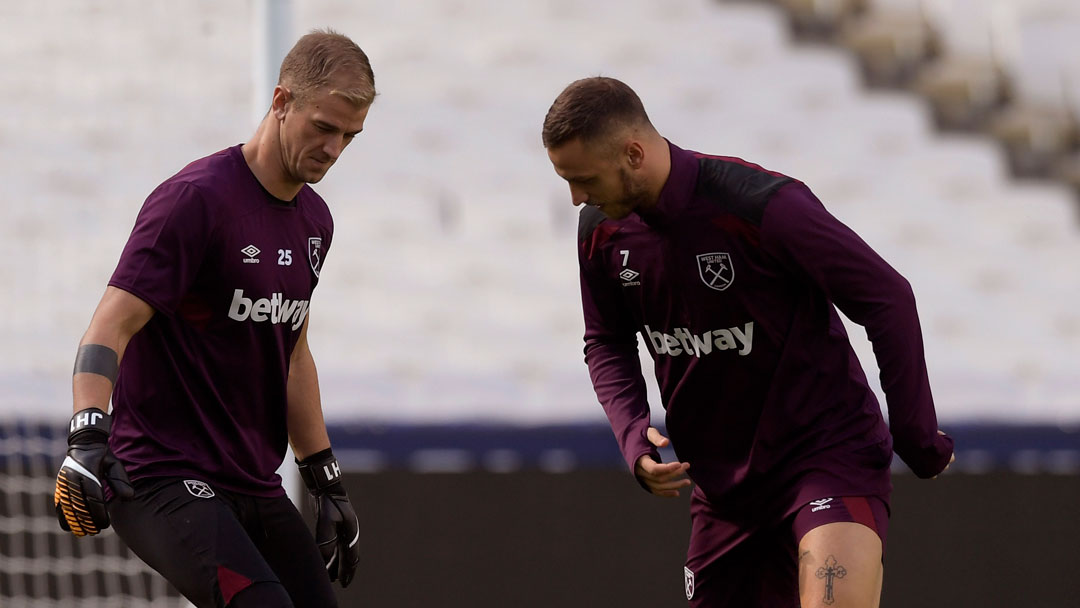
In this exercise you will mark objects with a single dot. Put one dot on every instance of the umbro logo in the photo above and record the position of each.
(820, 504)
(252, 252)
(628, 276)
(198, 489)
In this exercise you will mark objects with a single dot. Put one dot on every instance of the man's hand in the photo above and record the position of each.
(662, 479)
(79, 498)
(337, 530)
(952, 458)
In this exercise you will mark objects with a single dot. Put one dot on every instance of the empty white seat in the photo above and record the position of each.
(451, 287)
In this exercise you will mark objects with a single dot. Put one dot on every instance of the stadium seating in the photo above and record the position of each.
(451, 288)
(450, 295)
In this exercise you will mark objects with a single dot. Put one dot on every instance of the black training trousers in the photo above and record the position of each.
(220, 548)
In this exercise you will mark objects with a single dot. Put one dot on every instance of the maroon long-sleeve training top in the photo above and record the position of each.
(733, 281)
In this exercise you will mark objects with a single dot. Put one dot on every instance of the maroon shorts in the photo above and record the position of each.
(869, 511)
(733, 565)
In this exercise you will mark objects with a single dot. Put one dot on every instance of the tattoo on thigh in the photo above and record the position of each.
(831, 571)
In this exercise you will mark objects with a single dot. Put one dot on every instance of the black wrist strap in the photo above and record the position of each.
(321, 473)
(87, 423)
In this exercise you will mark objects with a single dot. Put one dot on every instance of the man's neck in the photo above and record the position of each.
(658, 172)
(263, 156)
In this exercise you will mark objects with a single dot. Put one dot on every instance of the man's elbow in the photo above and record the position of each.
(900, 294)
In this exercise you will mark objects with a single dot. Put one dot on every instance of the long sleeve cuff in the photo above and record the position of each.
(927, 461)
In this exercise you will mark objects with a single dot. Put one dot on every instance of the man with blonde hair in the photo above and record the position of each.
(201, 342)
(732, 275)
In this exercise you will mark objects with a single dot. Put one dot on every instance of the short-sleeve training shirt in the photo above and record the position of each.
(230, 271)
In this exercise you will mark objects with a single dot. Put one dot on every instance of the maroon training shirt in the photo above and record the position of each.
(732, 280)
(229, 270)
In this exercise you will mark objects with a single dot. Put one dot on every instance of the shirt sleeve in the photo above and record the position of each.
(328, 238)
(798, 230)
(166, 248)
(614, 367)
(319, 215)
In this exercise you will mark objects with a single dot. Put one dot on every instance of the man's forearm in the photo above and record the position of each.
(307, 430)
(615, 371)
(118, 317)
(89, 386)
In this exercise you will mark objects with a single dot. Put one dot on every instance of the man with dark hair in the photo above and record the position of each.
(203, 330)
(732, 275)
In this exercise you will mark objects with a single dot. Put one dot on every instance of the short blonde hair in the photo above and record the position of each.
(323, 57)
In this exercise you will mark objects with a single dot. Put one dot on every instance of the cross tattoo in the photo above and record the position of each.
(830, 571)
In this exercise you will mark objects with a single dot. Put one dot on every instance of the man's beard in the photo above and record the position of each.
(634, 194)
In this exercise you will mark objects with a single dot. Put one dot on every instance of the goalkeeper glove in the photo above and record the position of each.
(79, 498)
(337, 531)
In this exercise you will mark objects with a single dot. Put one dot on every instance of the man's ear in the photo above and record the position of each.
(635, 154)
(280, 101)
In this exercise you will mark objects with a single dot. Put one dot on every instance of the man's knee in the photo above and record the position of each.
(262, 595)
(840, 567)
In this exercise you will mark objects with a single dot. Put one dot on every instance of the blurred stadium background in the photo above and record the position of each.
(447, 324)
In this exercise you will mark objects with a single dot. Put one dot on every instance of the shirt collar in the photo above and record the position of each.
(677, 190)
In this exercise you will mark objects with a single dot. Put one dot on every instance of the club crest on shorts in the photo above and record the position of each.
(314, 253)
(715, 270)
(198, 489)
(688, 582)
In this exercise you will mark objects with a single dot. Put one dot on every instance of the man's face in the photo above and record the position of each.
(315, 134)
(598, 175)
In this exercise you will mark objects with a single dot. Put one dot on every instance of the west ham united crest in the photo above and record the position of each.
(715, 270)
(314, 253)
(688, 582)
(198, 489)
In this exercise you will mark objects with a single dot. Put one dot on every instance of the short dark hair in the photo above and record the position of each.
(592, 108)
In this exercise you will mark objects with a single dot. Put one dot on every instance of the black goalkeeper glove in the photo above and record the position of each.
(337, 531)
(79, 498)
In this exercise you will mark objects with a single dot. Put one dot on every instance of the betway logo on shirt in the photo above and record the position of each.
(697, 345)
(274, 309)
